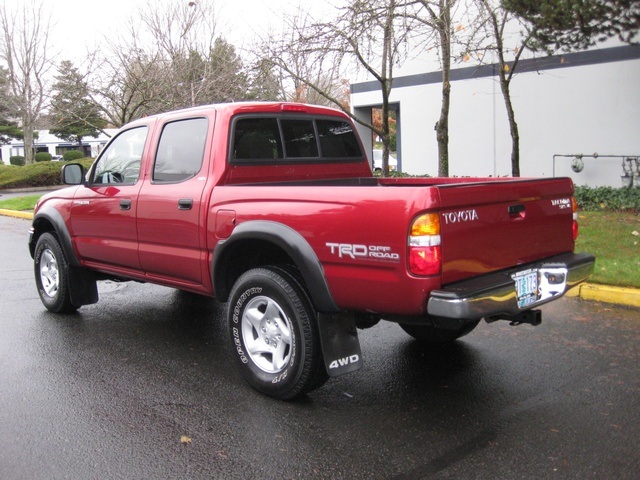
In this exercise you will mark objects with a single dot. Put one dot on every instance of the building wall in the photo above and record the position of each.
(582, 103)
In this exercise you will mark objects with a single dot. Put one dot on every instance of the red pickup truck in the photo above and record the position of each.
(273, 208)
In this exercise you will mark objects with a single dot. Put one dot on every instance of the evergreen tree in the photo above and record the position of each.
(8, 128)
(75, 115)
(577, 24)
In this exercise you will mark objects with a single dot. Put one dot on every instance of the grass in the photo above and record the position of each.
(614, 239)
(20, 203)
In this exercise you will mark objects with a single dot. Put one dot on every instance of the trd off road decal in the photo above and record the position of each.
(356, 251)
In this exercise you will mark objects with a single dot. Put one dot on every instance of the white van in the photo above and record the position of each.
(377, 161)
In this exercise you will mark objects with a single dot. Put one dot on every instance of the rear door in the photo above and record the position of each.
(171, 206)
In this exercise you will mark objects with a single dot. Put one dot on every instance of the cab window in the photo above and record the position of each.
(180, 150)
(120, 161)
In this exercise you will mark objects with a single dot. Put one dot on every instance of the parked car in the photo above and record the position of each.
(377, 161)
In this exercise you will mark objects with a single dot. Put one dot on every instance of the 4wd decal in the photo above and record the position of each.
(356, 251)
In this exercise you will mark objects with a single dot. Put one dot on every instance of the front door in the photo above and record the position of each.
(103, 219)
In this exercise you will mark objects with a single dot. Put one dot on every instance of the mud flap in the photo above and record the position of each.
(340, 344)
(82, 287)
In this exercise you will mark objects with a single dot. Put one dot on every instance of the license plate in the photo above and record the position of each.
(527, 287)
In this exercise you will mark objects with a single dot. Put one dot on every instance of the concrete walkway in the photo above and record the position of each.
(587, 291)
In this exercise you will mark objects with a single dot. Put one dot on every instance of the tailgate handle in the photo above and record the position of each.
(516, 209)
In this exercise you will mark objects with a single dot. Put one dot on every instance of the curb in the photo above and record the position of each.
(629, 297)
(16, 213)
(604, 293)
(31, 189)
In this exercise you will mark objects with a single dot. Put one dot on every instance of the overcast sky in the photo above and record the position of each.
(76, 23)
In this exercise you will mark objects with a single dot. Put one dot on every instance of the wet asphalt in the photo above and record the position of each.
(141, 385)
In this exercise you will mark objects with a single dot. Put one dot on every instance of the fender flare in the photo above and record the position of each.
(288, 240)
(53, 217)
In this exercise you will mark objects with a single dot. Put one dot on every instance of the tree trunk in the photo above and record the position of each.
(28, 141)
(505, 74)
(385, 83)
(513, 129)
(442, 126)
(513, 125)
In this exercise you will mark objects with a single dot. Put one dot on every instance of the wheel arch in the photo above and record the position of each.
(50, 220)
(260, 243)
(83, 289)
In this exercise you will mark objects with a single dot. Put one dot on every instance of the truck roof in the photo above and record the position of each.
(233, 108)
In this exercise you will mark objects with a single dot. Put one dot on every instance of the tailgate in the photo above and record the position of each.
(499, 224)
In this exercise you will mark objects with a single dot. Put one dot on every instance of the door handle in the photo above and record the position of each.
(125, 204)
(185, 204)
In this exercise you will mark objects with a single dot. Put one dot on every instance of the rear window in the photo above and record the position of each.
(268, 139)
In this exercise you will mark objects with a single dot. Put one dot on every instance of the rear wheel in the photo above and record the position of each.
(431, 334)
(52, 274)
(273, 330)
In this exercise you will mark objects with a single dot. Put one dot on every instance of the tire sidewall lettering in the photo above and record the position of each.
(42, 246)
(242, 300)
(288, 373)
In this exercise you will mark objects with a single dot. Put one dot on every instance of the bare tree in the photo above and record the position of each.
(125, 83)
(306, 72)
(169, 58)
(546, 26)
(371, 33)
(436, 20)
(183, 35)
(23, 47)
(495, 19)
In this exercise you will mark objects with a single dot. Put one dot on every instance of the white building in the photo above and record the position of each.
(585, 103)
(47, 142)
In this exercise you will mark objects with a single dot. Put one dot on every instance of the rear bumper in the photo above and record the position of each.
(495, 293)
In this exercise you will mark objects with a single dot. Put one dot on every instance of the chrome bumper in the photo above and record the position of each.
(495, 293)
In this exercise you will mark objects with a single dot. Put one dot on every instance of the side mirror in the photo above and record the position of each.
(72, 174)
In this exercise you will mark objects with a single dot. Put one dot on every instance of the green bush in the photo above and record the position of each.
(43, 157)
(44, 174)
(17, 160)
(393, 142)
(608, 199)
(72, 155)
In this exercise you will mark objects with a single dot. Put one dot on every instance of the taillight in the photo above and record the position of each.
(574, 226)
(424, 245)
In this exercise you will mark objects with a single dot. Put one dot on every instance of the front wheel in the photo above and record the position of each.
(52, 274)
(274, 334)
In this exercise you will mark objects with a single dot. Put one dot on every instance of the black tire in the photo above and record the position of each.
(274, 334)
(431, 334)
(52, 275)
